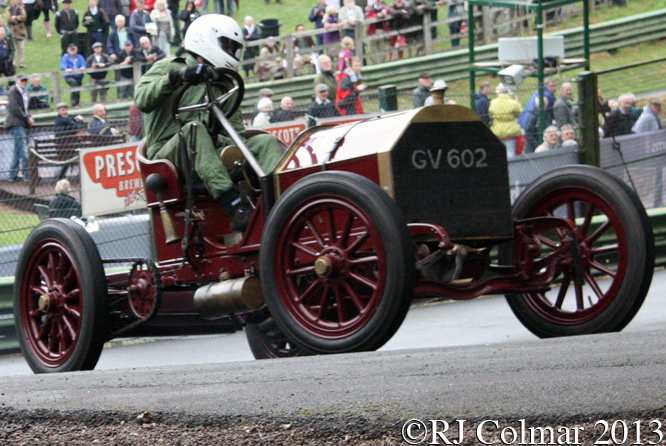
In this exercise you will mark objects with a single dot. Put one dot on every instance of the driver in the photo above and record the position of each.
(213, 40)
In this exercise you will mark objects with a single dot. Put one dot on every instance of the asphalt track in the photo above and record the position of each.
(515, 376)
(611, 373)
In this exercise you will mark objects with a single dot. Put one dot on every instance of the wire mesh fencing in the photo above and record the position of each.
(638, 158)
(633, 146)
(40, 179)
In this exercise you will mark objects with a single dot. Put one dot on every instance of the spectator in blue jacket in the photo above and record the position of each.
(482, 102)
(649, 120)
(118, 37)
(98, 124)
(70, 62)
(549, 94)
(317, 17)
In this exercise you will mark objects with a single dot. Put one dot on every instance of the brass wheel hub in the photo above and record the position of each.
(44, 302)
(323, 266)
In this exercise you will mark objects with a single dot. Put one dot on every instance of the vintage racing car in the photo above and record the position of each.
(355, 222)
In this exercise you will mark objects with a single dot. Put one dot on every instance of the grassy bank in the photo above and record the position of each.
(43, 54)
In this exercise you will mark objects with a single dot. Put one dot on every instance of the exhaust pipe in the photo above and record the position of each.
(228, 297)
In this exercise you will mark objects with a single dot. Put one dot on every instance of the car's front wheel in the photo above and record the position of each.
(337, 264)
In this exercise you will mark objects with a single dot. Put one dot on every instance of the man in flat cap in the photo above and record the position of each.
(67, 126)
(326, 76)
(127, 57)
(70, 62)
(649, 120)
(17, 121)
(98, 81)
(66, 24)
(322, 106)
(422, 92)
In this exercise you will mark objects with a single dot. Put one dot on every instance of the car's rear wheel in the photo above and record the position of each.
(337, 264)
(268, 342)
(600, 285)
(60, 298)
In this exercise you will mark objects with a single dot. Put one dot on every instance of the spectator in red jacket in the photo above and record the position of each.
(350, 86)
(378, 46)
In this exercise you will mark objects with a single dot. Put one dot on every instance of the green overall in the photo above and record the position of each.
(154, 96)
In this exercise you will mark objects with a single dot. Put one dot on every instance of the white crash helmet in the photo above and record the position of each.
(217, 38)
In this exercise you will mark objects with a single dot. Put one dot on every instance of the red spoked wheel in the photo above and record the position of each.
(60, 298)
(143, 290)
(603, 279)
(337, 264)
(266, 341)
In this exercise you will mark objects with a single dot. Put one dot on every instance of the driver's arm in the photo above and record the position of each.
(154, 89)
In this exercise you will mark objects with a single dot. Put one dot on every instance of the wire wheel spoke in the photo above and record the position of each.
(339, 301)
(578, 287)
(591, 281)
(605, 250)
(563, 291)
(598, 266)
(591, 240)
(331, 227)
(305, 249)
(46, 277)
(310, 291)
(323, 303)
(357, 243)
(302, 270)
(315, 233)
(582, 230)
(355, 298)
(346, 231)
(364, 280)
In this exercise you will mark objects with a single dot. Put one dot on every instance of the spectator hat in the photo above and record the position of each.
(501, 88)
(128, 42)
(266, 92)
(72, 45)
(60, 105)
(96, 44)
(21, 77)
(654, 102)
(321, 88)
(424, 75)
(66, 1)
(440, 84)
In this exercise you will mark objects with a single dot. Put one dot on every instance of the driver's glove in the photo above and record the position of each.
(194, 74)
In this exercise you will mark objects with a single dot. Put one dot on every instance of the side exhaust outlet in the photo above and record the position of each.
(228, 297)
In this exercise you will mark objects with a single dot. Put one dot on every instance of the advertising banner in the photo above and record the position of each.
(285, 131)
(111, 180)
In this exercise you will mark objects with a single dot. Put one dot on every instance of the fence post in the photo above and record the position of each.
(55, 86)
(136, 73)
(360, 44)
(588, 117)
(289, 46)
(487, 24)
(427, 33)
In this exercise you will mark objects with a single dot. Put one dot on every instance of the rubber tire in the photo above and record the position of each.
(638, 239)
(399, 280)
(85, 257)
(261, 339)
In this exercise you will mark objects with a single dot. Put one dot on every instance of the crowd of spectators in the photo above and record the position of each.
(518, 126)
(339, 20)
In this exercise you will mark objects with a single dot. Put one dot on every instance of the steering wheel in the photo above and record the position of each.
(235, 94)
